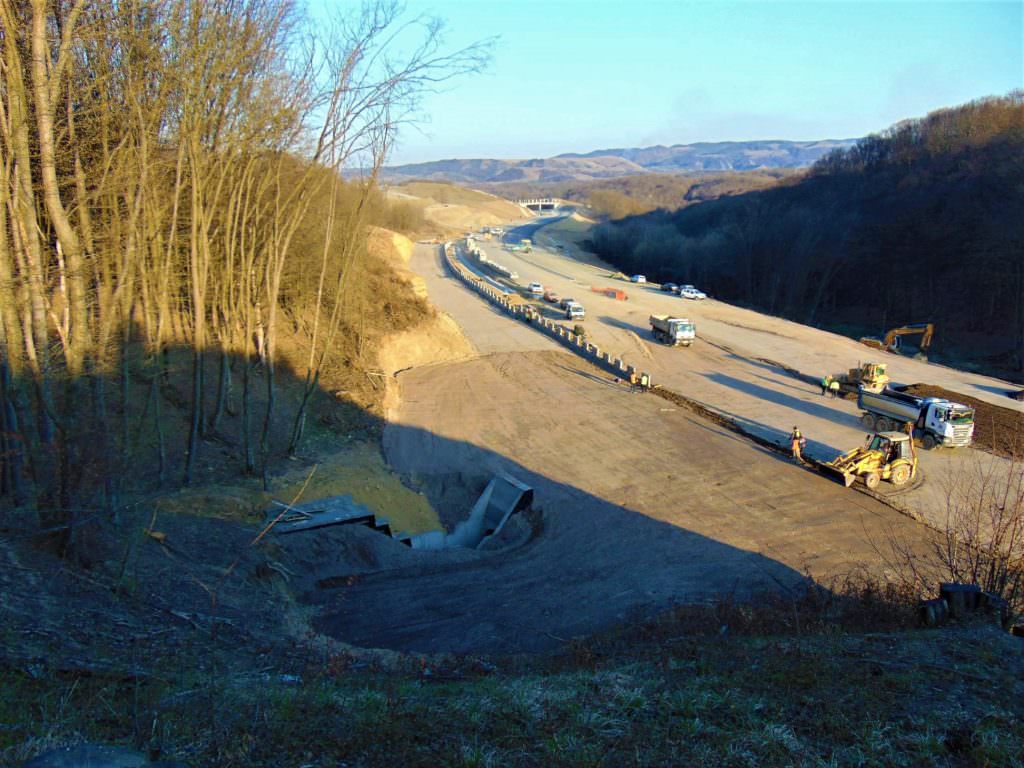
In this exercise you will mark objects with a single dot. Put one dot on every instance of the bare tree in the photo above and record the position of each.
(980, 540)
(157, 161)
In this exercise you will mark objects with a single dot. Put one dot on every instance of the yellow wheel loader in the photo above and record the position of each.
(884, 456)
(871, 377)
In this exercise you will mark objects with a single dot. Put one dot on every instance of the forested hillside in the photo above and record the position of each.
(923, 222)
(724, 156)
(630, 195)
(181, 263)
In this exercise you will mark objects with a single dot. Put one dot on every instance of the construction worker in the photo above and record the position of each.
(645, 382)
(796, 443)
(833, 388)
(632, 381)
(825, 381)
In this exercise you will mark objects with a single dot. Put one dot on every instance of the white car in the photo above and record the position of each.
(689, 292)
(535, 289)
(638, 279)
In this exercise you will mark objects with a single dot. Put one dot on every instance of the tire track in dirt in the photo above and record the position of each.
(644, 349)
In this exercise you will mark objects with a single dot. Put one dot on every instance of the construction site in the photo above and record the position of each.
(685, 495)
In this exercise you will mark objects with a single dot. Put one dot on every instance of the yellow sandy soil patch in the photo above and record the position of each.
(574, 227)
(460, 218)
(397, 249)
(394, 247)
(359, 471)
(455, 209)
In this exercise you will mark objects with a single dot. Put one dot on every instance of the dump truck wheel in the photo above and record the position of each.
(872, 479)
(868, 420)
(900, 475)
(929, 442)
(882, 424)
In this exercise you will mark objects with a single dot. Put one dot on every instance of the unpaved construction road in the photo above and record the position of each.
(735, 367)
(644, 505)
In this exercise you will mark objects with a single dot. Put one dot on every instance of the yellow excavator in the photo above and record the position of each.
(893, 340)
(884, 456)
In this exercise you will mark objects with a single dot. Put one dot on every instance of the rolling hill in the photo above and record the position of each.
(612, 163)
(923, 222)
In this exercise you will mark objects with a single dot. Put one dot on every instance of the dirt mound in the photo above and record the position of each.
(437, 340)
(1000, 430)
(395, 247)
(455, 209)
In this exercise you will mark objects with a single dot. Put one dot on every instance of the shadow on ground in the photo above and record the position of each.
(588, 564)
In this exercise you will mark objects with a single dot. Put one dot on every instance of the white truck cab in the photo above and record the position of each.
(574, 311)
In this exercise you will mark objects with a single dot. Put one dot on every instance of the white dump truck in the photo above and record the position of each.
(673, 330)
(936, 421)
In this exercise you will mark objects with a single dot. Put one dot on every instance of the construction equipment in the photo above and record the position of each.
(672, 330)
(884, 456)
(871, 377)
(935, 420)
(893, 340)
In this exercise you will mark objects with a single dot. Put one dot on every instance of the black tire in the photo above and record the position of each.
(867, 420)
(872, 479)
(929, 442)
(882, 424)
(900, 475)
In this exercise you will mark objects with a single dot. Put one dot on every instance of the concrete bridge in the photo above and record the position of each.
(539, 203)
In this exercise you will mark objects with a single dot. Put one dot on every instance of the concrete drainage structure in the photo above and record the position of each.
(503, 497)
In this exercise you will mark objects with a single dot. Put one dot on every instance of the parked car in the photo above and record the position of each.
(552, 297)
(638, 279)
(535, 289)
(689, 292)
(566, 301)
(670, 287)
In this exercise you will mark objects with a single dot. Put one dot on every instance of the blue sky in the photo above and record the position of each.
(578, 75)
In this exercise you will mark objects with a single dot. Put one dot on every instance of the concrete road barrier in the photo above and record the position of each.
(557, 331)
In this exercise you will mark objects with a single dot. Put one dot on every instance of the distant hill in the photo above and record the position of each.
(612, 163)
(723, 155)
(923, 222)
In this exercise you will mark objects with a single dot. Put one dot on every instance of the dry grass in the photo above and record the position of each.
(775, 683)
(779, 701)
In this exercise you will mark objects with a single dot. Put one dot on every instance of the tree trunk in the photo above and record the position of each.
(223, 386)
(197, 417)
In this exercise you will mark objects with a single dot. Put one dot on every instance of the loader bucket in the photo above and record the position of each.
(838, 475)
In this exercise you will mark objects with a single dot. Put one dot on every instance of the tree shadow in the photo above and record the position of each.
(1007, 393)
(585, 564)
(625, 325)
(590, 564)
(781, 398)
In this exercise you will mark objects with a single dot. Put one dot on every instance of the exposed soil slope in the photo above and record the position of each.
(1000, 430)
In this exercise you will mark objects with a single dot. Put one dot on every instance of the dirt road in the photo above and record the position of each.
(734, 367)
(643, 506)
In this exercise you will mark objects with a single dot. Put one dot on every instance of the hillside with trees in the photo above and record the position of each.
(630, 195)
(923, 222)
(723, 156)
(181, 263)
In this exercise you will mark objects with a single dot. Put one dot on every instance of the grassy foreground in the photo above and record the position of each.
(948, 697)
